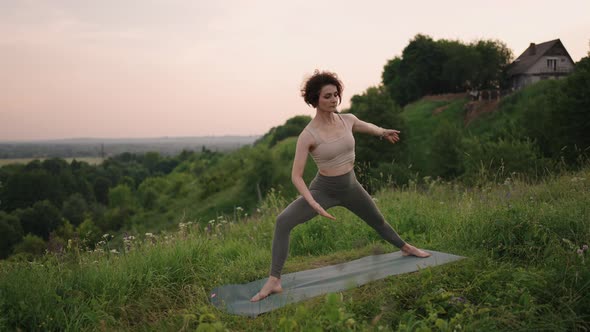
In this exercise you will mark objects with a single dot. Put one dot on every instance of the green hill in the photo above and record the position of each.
(527, 268)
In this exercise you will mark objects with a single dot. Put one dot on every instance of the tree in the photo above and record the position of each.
(494, 57)
(419, 70)
(292, 127)
(572, 112)
(459, 70)
(26, 187)
(11, 233)
(40, 219)
(445, 66)
(101, 190)
(74, 209)
(121, 197)
(31, 246)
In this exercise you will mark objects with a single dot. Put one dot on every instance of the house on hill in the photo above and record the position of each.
(548, 60)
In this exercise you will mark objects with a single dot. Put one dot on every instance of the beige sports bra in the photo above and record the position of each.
(333, 153)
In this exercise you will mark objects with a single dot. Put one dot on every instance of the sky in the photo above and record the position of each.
(167, 68)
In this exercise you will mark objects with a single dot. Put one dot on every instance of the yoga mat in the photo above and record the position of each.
(302, 285)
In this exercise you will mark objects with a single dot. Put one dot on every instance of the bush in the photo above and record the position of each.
(496, 160)
(31, 246)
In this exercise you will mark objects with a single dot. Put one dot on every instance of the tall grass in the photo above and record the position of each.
(526, 268)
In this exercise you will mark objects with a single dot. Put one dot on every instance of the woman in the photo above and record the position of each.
(329, 140)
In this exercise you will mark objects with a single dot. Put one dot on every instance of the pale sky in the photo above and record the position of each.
(125, 69)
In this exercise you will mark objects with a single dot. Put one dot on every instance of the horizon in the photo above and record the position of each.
(186, 69)
(81, 139)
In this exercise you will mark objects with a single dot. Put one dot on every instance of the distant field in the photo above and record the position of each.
(90, 160)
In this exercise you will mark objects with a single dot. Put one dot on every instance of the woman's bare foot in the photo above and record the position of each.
(272, 286)
(410, 250)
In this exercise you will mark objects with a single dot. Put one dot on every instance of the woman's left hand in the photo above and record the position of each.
(391, 135)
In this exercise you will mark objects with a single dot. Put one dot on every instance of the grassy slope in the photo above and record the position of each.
(186, 203)
(422, 123)
(522, 270)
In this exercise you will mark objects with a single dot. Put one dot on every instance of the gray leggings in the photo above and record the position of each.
(342, 190)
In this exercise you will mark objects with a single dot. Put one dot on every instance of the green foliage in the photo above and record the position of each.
(375, 106)
(74, 209)
(553, 114)
(447, 151)
(444, 66)
(293, 127)
(419, 70)
(10, 233)
(101, 190)
(572, 117)
(121, 197)
(30, 247)
(495, 161)
(40, 219)
(88, 233)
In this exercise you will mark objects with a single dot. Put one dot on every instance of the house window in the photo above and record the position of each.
(552, 64)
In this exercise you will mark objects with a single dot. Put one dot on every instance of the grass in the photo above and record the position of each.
(526, 269)
(422, 124)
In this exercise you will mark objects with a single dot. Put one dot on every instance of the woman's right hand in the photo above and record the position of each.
(320, 210)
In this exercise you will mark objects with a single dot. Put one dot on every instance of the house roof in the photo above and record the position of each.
(526, 59)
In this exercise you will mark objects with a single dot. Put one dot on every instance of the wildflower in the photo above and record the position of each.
(458, 299)
(211, 221)
(149, 234)
(114, 251)
(106, 236)
(580, 252)
(258, 210)
(585, 247)
(239, 208)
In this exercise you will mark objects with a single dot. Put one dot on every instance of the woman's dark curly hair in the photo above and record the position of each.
(311, 88)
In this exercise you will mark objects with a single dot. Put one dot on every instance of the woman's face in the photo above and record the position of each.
(329, 98)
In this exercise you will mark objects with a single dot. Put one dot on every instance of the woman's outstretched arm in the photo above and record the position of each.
(361, 126)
